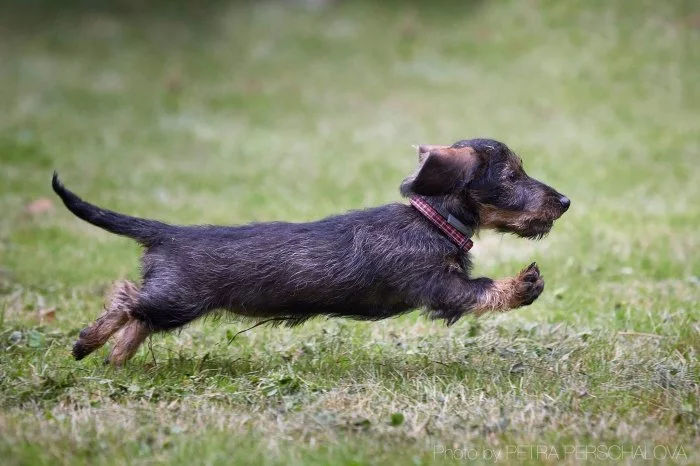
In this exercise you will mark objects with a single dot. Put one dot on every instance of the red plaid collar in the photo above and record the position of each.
(444, 224)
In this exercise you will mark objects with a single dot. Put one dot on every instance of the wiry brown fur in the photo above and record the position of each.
(127, 341)
(118, 303)
(512, 292)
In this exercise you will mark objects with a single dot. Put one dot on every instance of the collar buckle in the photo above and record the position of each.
(461, 227)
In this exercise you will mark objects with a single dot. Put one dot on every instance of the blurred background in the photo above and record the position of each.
(229, 112)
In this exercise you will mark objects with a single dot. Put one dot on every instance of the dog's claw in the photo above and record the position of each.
(532, 284)
(531, 273)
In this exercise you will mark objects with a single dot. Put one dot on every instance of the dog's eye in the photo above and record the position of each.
(512, 176)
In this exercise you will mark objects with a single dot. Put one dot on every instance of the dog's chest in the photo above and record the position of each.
(459, 263)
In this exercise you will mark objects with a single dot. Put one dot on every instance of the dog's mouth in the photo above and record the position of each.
(538, 225)
(530, 229)
(525, 224)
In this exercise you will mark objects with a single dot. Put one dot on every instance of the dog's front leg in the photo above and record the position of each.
(510, 293)
(458, 295)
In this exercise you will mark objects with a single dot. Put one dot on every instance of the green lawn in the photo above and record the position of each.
(228, 113)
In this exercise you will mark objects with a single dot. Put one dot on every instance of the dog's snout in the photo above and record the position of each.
(565, 202)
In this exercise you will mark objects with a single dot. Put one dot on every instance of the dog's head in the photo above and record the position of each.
(484, 178)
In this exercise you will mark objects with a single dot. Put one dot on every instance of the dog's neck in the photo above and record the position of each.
(457, 208)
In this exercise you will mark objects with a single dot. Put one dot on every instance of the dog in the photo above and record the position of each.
(368, 264)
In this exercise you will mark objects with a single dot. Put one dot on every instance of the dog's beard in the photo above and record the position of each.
(537, 229)
(533, 229)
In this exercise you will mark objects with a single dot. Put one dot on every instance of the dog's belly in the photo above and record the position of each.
(362, 305)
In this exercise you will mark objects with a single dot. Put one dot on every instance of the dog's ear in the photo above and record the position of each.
(425, 149)
(443, 169)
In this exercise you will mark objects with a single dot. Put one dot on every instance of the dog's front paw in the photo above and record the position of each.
(528, 285)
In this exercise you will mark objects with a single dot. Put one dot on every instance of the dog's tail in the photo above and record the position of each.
(142, 230)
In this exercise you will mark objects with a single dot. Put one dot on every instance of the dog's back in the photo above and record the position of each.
(348, 265)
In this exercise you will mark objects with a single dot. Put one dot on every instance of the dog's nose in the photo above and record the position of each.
(565, 202)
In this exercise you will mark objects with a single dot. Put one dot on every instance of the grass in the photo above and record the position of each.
(234, 112)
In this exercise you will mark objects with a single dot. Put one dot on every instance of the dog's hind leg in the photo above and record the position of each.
(120, 300)
(146, 318)
(127, 341)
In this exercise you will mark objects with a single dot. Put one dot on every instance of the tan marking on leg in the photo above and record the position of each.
(500, 297)
(513, 292)
(121, 298)
(127, 341)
